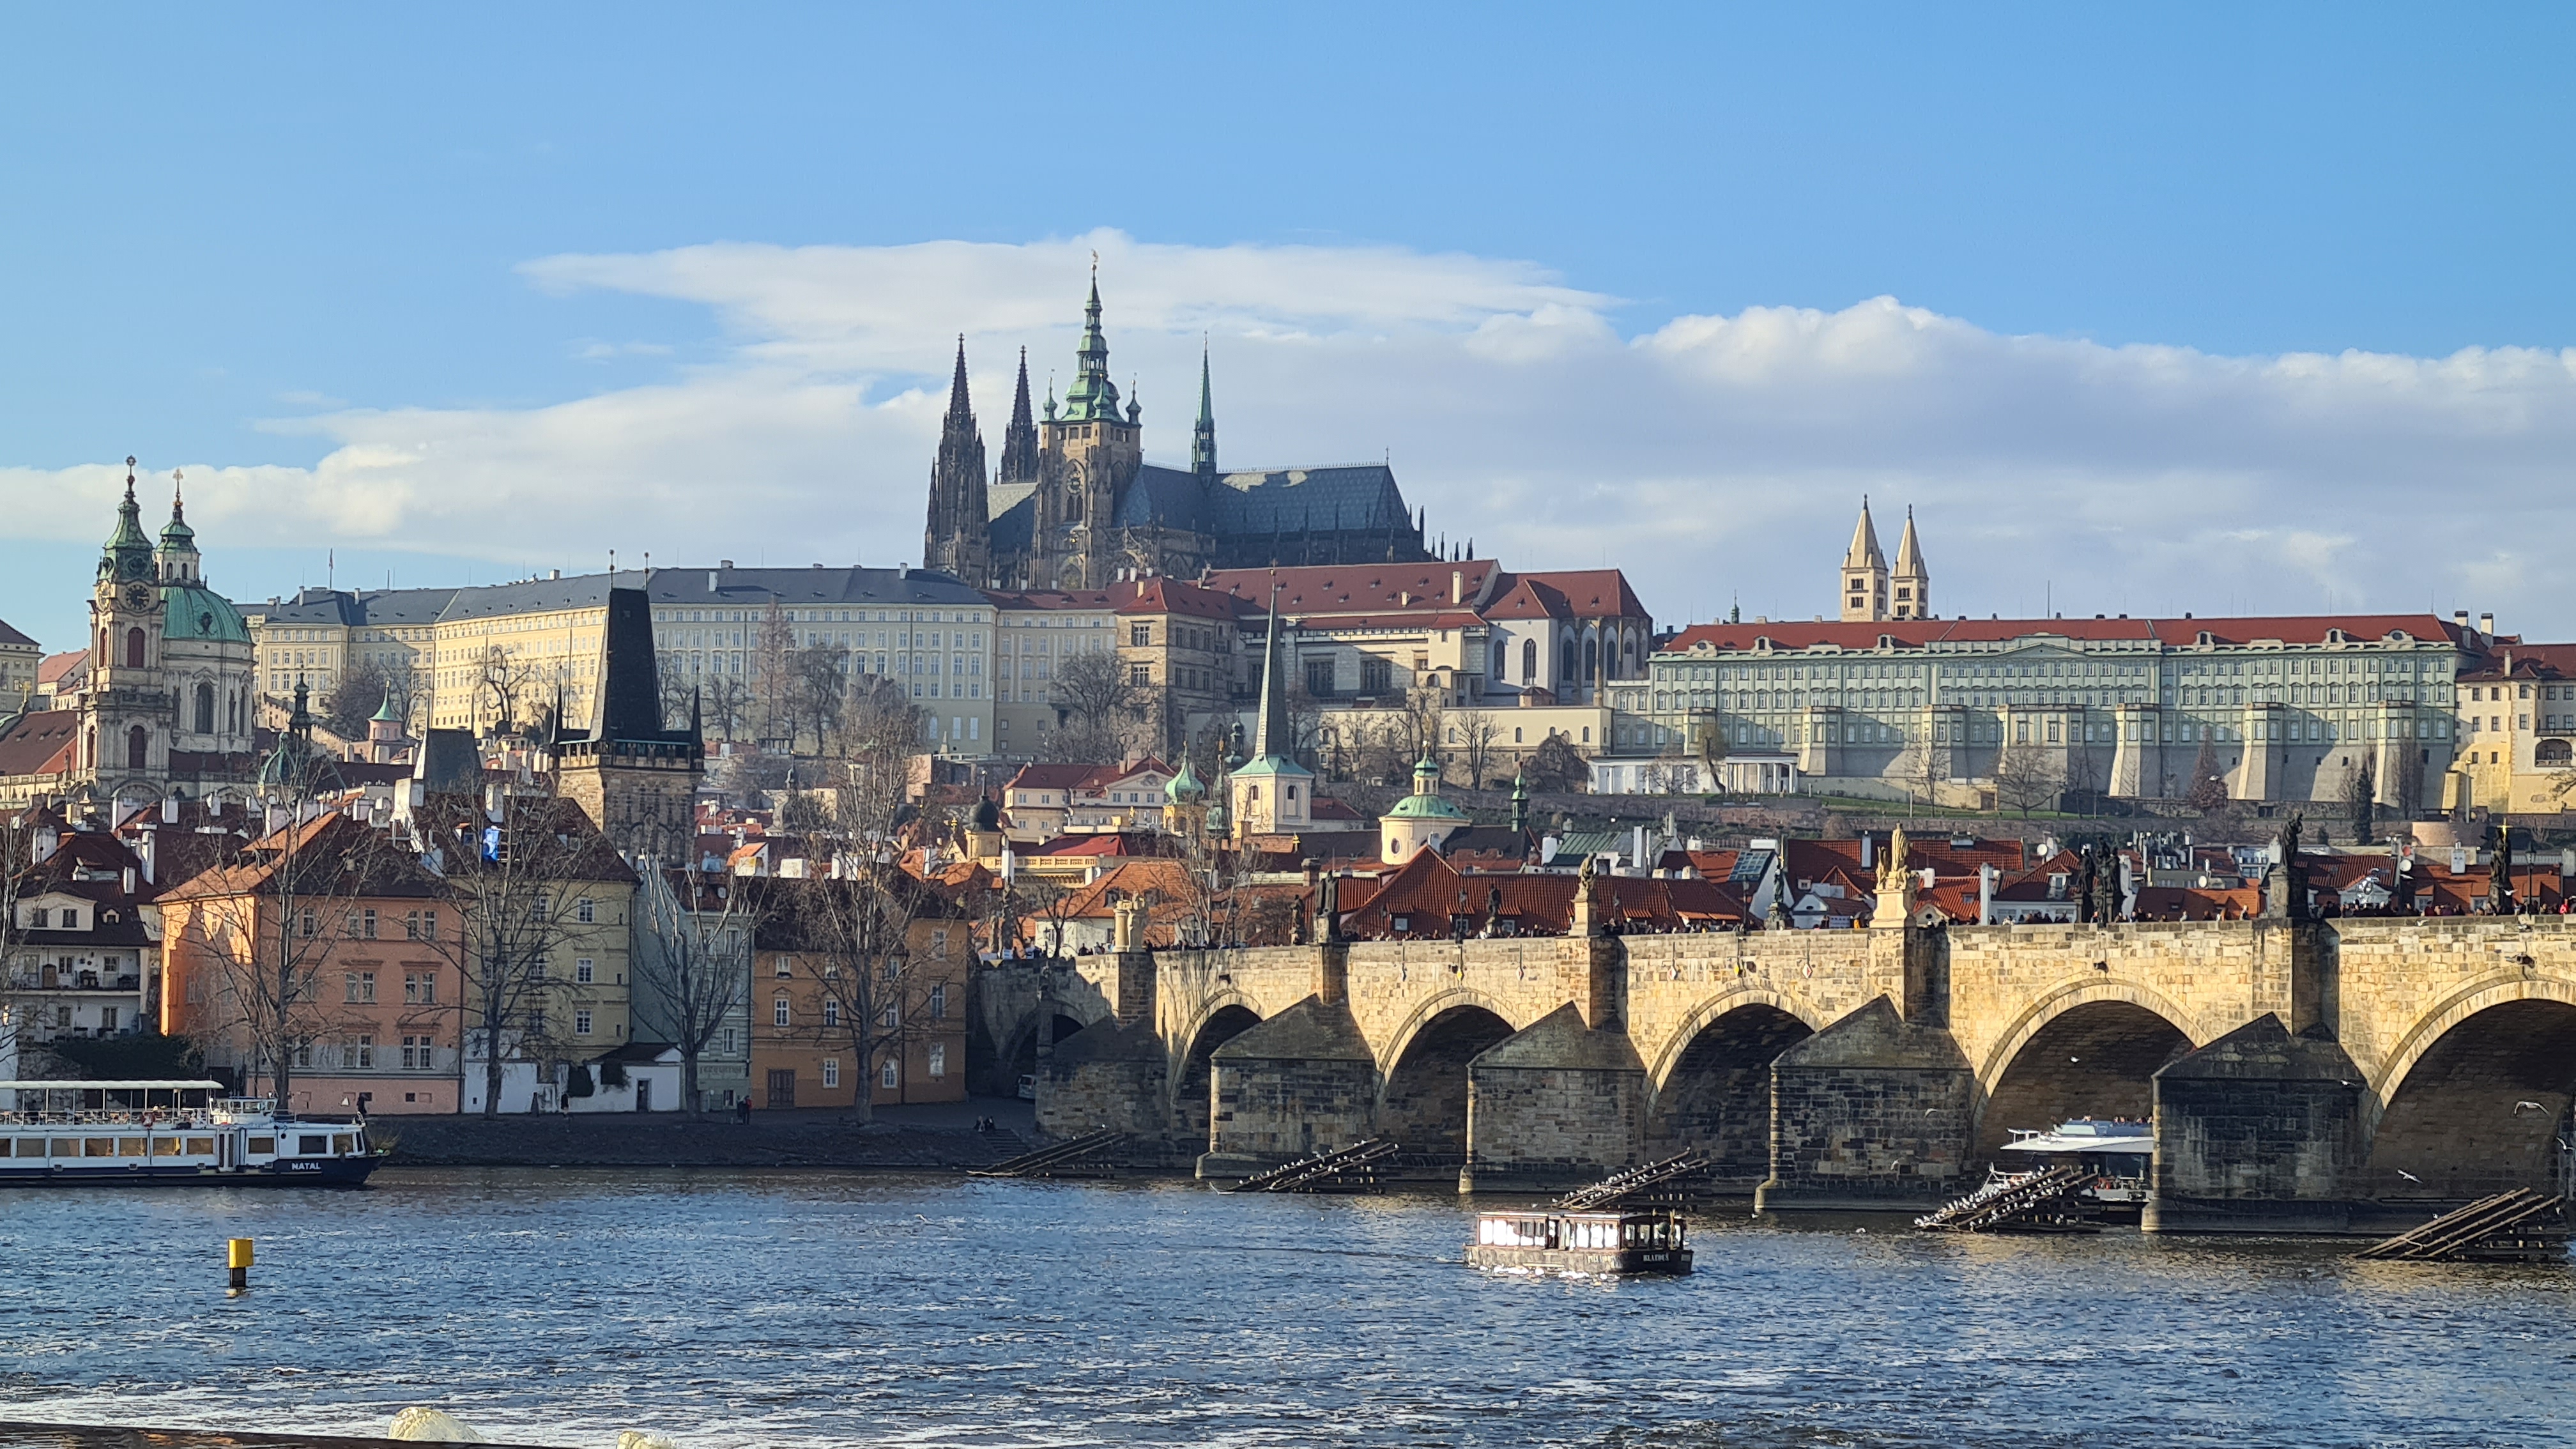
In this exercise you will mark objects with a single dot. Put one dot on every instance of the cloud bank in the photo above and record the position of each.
(1716, 458)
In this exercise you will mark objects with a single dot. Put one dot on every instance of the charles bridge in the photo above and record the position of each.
(2301, 1075)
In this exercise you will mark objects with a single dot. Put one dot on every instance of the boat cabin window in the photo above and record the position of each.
(343, 1143)
(201, 1147)
(308, 1146)
(67, 1147)
(263, 1145)
(165, 1146)
(31, 1147)
(98, 1147)
(133, 1146)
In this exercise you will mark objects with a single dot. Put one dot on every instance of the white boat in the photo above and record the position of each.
(2120, 1155)
(136, 1132)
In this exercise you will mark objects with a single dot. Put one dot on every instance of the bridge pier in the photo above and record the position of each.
(1300, 1082)
(1561, 1103)
(1873, 1112)
(2258, 1132)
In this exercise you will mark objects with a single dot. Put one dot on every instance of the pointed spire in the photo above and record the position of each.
(128, 554)
(1909, 553)
(1203, 436)
(1092, 397)
(958, 405)
(1272, 734)
(1864, 553)
(1020, 441)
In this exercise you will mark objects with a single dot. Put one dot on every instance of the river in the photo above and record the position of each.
(748, 1308)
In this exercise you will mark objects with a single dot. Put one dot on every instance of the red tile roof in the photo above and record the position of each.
(1357, 588)
(40, 743)
(1426, 892)
(53, 667)
(1569, 594)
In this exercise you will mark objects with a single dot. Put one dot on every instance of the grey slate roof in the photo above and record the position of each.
(358, 607)
(1286, 500)
(720, 587)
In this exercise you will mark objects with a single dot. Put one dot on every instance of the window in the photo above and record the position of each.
(1319, 678)
(537, 909)
(939, 941)
(581, 970)
(581, 1023)
(420, 925)
(134, 651)
(537, 1021)
(832, 1072)
(138, 744)
(890, 1076)
(360, 986)
(778, 1011)
(362, 1053)
(939, 1002)
(779, 968)
(1140, 635)
(303, 1053)
(367, 925)
(831, 1011)
(938, 1059)
(1140, 675)
(888, 1017)
(40, 917)
(585, 910)
(1377, 676)
(420, 988)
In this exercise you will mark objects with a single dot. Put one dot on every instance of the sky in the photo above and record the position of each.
(2225, 309)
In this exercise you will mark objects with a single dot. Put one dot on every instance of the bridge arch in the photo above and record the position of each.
(2090, 1049)
(1660, 1067)
(1422, 1092)
(1429, 1009)
(2478, 1095)
(1221, 1019)
(1710, 1088)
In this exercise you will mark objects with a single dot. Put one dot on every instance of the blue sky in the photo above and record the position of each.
(325, 257)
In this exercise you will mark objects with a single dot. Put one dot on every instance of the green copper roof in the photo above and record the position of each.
(1092, 397)
(1185, 788)
(1425, 807)
(176, 535)
(385, 712)
(128, 554)
(190, 612)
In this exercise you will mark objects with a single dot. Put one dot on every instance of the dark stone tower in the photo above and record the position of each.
(637, 778)
(957, 539)
(1087, 454)
(1020, 442)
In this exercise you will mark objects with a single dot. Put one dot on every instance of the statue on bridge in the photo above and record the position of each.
(2285, 895)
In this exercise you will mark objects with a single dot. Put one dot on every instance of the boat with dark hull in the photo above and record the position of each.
(171, 1133)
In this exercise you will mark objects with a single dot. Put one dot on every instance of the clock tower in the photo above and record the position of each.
(127, 711)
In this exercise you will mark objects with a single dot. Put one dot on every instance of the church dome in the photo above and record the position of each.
(192, 612)
(1185, 788)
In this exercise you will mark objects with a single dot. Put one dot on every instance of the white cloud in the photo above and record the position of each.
(1713, 457)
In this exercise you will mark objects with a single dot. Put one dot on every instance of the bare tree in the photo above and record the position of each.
(504, 683)
(1554, 765)
(2406, 783)
(692, 961)
(515, 866)
(365, 687)
(1478, 734)
(17, 877)
(1099, 697)
(2025, 778)
(728, 706)
(773, 679)
(821, 686)
(671, 670)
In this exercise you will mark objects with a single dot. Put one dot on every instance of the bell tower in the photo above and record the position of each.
(1864, 596)
(126, 710)
(1910, 582)
(1088, 452)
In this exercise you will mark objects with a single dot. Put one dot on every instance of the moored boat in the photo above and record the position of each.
(2118, 1156)
(89, 1133)
(1556, 1240)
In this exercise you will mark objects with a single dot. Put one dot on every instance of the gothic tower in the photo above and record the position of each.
(1020, 441)
(1203, 437)
(1864, 574)
(126, 710)
(1087, 454)
(1909, 583)
(958, 539)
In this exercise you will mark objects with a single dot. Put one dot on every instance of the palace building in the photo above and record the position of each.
(1074, 505)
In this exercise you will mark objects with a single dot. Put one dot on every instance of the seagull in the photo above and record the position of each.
(2521, 1107)
(2410, 1177)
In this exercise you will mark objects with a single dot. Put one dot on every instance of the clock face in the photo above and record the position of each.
(138, 596)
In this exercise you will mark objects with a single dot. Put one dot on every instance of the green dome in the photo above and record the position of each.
(191, 612)
(1185, 788)
(1425, 807)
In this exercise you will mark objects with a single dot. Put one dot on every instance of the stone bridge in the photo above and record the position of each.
(2302, 1076)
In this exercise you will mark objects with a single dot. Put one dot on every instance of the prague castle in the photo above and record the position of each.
(1074, 504)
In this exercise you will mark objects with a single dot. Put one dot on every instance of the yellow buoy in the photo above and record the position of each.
(237, 1257)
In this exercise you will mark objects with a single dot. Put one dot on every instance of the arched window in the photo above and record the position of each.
(1565, 658)
(1591, 657)
(2553, 752)
(205, 709)
(133, 648)
(138, 746)
(1529, 661)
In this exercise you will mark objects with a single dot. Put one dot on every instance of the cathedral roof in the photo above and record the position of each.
(1289, 500)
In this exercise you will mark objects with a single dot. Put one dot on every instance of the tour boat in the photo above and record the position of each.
(66, 1133)
(1557, 1240)
(2118, 1154)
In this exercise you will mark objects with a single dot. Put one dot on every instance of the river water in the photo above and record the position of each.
(734, 1308)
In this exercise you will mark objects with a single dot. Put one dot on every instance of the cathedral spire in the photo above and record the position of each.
(1020, 440)
(958, 406)
(1203, 437)
(956, 538)
(128, 554)
(1092, 397)
(1272, 735)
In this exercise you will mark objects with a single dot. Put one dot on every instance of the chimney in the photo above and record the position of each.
(169, 809)
(2486, 625)
(1457, 586)
(148, 851)
(554, 573)
(711, 581)
(2460, 618)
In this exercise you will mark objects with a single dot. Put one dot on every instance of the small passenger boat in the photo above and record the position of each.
(1556, 1240)
(68, 1133)
(2118, 1154)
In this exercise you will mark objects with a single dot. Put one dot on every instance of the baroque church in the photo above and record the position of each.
(1074, 504)
(165, 703)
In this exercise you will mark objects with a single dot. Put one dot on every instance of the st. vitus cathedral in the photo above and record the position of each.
(1075, 505)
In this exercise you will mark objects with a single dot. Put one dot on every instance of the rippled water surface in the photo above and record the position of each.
(750, 1308)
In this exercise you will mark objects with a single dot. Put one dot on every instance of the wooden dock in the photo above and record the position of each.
(2521, 1226)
